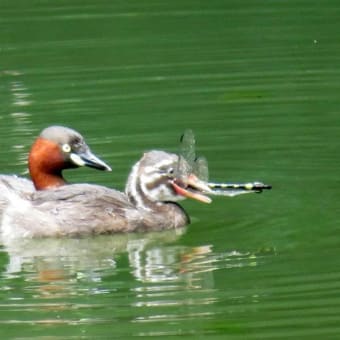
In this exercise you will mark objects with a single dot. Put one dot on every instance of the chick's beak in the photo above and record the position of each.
(192, 187)
(87, 158)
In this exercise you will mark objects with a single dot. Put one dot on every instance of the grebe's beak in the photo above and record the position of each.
(192, 187)
(87, 158)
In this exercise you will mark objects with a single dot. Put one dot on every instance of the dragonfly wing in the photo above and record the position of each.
(187, 146)
(187, 153)
(201, 169)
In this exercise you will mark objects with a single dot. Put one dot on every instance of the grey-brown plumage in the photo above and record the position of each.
(90, 209)
(149, 203)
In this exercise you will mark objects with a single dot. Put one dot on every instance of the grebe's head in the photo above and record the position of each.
(58, 148)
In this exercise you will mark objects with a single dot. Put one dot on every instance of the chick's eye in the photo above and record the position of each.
(66, 148)
(171, 171)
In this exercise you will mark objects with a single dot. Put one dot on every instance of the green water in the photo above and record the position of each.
(259, 83)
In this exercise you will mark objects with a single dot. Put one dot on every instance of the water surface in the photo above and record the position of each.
(258, 82)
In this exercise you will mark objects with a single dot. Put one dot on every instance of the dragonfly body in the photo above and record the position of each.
(199, 166)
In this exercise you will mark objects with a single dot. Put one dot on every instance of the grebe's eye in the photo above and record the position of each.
(66, 148)
(171, 171)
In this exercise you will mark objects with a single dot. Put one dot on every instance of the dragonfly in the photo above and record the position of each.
(189, 162)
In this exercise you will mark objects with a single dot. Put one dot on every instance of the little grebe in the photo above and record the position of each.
(57, 148)
(156, 183)
(149, 203)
